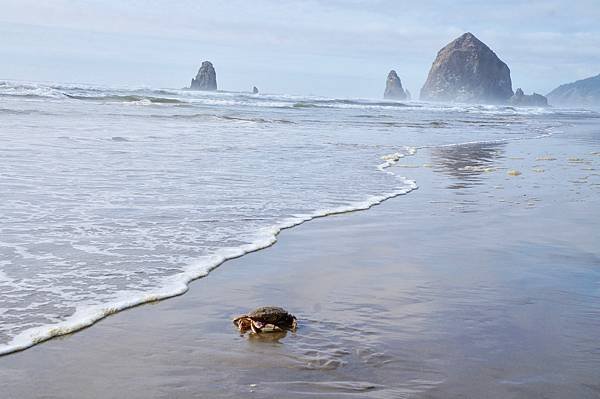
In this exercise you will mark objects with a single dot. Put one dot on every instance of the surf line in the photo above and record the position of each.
(179, 284)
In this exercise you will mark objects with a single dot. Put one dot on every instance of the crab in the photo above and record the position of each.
(266, 319)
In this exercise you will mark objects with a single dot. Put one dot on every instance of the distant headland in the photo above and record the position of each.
(583, 93)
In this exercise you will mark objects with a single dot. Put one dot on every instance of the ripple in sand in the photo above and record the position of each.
(329, 386)
(545, 158)
(478, 168)
(581, 180)
(407, 166)
(513, 172)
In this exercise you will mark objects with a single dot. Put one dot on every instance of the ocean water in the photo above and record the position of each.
(112, 197)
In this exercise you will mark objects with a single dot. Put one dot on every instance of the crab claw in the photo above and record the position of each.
(243, 323)
(256, 326)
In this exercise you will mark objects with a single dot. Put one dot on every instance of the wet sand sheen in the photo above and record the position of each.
(445, 292)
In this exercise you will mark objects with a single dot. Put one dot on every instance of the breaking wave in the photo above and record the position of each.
(127, 98)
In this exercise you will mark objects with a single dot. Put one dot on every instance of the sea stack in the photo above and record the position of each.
(254, 90)
(582, 93)
(393, 87)
(206, 79)
(522, 100)
(467, 70)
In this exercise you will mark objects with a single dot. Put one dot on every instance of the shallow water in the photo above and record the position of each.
(113, 197)
(475, 285)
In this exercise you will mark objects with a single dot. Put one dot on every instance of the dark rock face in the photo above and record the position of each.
(467, 70)
(585, 92)
(533, 100)
(254, 90)
(393, 87)
(206, 79)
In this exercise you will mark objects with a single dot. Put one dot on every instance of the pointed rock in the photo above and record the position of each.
(466, 70)
(533, 100)
(254, 90)
(206, 79)
(393, 87)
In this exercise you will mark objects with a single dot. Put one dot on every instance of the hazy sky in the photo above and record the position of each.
(324, 47)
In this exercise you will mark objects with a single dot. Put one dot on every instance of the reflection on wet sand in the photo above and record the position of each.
(467, 162)
(272, 337)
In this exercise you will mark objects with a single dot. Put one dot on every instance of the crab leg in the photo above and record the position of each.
(255, 327)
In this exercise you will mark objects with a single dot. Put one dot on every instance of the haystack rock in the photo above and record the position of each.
(393, 87)
(254, 90)
(523, 100)
(585, 92)
(206, 79)
(467, 70)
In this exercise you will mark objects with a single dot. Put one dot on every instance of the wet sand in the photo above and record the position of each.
(480, 284)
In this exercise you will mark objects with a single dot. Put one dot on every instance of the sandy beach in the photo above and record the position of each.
(481, 283)
(319, 199)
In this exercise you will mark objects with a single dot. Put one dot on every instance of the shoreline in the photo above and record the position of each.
(458, 289)
(92, 315)
(97, 313)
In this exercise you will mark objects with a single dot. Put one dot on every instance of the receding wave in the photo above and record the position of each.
(7, 111)
(209, 116)
(178, 284)
(342, 103)
(127, 98)
(257, 120)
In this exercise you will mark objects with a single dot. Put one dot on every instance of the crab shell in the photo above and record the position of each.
(266, 319)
